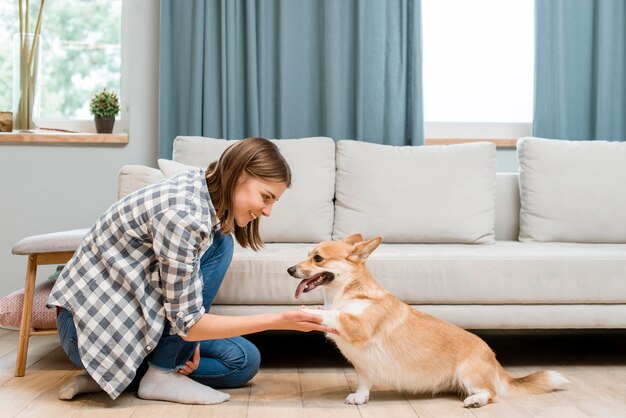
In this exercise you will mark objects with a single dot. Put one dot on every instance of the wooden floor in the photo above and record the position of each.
(304, 376)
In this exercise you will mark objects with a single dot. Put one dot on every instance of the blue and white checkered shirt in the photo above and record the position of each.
(137, 268)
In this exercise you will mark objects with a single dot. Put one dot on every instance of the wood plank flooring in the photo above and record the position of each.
(303, 375)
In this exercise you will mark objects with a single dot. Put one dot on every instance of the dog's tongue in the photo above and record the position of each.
(300, 288)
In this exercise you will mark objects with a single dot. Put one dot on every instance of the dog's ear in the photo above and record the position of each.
(363, 249)
(353, 239)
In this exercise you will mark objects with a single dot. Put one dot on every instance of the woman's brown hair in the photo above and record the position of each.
(257, 157)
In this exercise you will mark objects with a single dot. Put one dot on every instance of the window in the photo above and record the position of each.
(80, 54)
(478, 63)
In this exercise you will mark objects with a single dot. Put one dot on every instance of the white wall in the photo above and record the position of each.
(47, 188)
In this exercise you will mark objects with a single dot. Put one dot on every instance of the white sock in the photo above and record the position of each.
(175, 387)
(83, 383)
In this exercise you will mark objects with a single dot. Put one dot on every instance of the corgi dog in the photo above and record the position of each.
(392, 344)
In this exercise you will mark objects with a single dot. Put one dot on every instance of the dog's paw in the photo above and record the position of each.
(330, 318)
(471, 404)
(477, 400)
(356, 399)
(311, 311)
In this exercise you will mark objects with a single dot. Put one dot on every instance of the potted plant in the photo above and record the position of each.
(105, 105)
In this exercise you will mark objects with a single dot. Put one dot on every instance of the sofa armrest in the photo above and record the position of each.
(134, 177)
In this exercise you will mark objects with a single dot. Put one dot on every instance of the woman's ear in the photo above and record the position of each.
(243, 177)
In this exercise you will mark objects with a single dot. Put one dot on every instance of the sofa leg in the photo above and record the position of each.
(27, 311)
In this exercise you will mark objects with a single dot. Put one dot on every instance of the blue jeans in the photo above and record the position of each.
(228, 362)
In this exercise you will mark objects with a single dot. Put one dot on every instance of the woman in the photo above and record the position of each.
(133, 302)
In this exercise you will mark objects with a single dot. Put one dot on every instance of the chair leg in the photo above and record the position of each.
(27, 312)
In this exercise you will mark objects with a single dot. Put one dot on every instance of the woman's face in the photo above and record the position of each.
(254, 197)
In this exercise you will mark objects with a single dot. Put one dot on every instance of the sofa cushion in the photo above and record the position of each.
(42, 317)
(135, 177)
(428, 194)
(508, 272)
(572, 191)
(305, 211)
(170, 168)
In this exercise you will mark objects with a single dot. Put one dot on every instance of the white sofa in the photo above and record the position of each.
(545, 248)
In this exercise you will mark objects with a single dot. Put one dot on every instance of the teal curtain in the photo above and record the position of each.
(580, 69)
(290, 69)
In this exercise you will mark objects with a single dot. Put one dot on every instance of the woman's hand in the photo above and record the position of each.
(302, 321)
(192, 364)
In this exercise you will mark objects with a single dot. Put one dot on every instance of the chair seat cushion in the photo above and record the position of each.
(50, 243)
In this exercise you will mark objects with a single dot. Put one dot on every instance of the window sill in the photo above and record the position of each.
(500, 143)
(42, 137)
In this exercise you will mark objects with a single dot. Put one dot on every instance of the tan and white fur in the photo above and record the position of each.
(392, 345)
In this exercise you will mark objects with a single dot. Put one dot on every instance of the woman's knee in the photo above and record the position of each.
(253, 363)
(246, 365)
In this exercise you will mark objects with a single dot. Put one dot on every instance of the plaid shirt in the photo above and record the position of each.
(138, 267)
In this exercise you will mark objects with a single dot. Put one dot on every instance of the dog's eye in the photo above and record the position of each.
(318, 259)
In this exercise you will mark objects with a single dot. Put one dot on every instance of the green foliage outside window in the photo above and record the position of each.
(81, 54)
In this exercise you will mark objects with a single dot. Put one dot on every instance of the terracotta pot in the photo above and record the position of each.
(104, 124)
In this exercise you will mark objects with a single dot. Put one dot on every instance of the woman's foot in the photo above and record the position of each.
(83, 383)
(175, 387)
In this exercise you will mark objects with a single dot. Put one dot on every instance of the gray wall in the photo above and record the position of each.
(47, 188)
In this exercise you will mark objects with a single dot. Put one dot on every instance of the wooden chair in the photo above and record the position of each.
(55, 248)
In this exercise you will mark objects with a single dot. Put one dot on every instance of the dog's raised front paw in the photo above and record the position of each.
(356, 399)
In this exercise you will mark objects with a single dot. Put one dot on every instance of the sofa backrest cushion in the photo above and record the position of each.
(305, 211)
(572, 191)
(135, 177)
(170, 168)
(427, 194)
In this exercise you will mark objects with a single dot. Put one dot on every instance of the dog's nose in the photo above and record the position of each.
(291, 270)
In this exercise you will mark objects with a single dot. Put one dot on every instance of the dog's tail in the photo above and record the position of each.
(538, 382)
